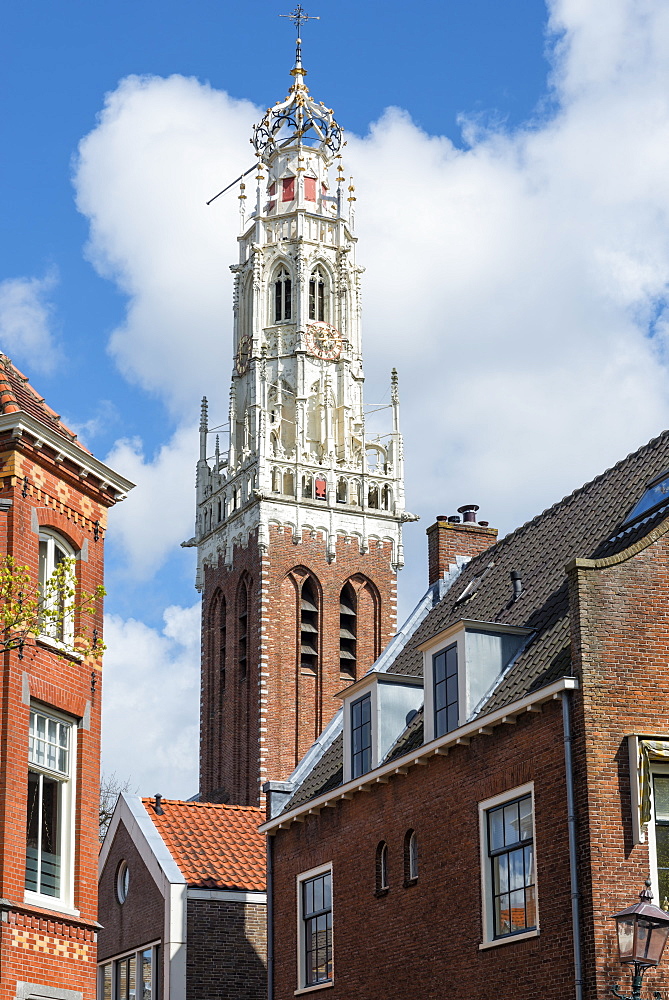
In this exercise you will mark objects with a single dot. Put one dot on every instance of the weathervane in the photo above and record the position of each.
(298, 17)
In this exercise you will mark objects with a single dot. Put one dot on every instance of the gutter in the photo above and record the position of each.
(270, 919)
(439, 747)
(573, 858)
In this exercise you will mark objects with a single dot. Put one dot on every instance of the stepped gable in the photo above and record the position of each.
(17, 395)
(214, 846)
(586, 524)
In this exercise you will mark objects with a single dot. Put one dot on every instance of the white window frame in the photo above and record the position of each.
(488, 938)
(301, 950)
(52, 539)
(655, 768)
(137, 952)
(67, 808)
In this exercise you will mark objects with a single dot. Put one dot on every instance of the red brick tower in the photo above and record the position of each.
(54, 498)
(299, 524)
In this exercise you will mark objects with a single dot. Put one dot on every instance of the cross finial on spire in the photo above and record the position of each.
(298, 17)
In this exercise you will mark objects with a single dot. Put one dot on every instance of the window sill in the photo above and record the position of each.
(408, 882)
(312, 989)
(48, 903)
(509, 939)
(59, 647)
(381, 892)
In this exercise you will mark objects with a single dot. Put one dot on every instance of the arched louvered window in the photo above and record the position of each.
(410, 857)
(282, 296)
(381, 867)
(308, 627)
(242, 628)
(221, 625)
(317, 295)
(348, 631)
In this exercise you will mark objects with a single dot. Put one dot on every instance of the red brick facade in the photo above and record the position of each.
(44, 487)
(259, 723)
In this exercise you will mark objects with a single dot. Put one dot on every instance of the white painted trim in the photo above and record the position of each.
(549, 693)
(24, 422)
(228, 895)
(508, 940)
(638, 835)
(486, 913)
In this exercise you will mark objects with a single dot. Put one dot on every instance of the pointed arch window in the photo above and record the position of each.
(317, 298)
(308, 627)
(221, 626)
(282, 296)
(348, 631)
(410, 857)
(242, 628)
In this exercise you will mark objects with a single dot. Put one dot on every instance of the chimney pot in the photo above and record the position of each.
(454, 519)
(484, 524)
(448, 541)
(468, 512)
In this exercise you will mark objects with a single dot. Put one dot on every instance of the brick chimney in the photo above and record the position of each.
(449, 537)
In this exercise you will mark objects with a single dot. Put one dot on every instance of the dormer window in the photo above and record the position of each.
(377, 710)
(461, 667)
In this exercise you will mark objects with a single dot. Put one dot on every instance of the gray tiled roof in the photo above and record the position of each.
(586, 524)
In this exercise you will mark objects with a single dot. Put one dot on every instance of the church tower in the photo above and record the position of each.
(299, 518)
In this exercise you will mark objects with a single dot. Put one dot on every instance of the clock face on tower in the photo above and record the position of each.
(323, 341)
(243, 359)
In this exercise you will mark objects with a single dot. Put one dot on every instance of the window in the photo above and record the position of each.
(49, 820)
(55, 553)
(315, 902)
(382, 868)
(445, 675)
(242, 628)
(308, 627)
(122, 882)
(661, 838)
(282, 297)
(508, 870)
(132, 977)
(317, 295)
(361, 736)
(410, 857)
(347, 632)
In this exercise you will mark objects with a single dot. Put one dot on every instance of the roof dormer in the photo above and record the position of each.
(377, 709)
(460, 667)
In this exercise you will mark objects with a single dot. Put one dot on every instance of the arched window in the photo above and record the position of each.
(342, 490)
(348, 631)
(308, 627)
(373, 497)
(307, 487)
(410, 857)
(282, 296)
(317, 295)
(382, 867)
(387, 497)
(221, 625)
(56, 584)
(242, 628)
(288, 484)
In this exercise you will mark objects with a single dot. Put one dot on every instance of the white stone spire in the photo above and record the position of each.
(297, 454)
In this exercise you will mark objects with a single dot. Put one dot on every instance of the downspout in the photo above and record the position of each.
(573, 860)
(270, 919)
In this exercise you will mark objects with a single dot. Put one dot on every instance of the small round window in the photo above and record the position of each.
(122, 882)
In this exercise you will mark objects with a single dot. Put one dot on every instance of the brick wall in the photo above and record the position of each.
(265, 722)
(40, 946)
(141, 919)
(446, 540)
(423, 940)
(620, 613)
(227, 950)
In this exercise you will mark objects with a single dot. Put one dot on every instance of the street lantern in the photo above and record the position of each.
(642, 934)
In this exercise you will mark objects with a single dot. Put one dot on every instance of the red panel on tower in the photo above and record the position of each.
(310, 188)
(288, 188)
(321, 486)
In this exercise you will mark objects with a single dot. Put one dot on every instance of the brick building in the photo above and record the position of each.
(182, 902)
(54, 498)
(497, 786)
(299, 519)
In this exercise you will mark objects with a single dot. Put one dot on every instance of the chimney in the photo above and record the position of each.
(449, 537)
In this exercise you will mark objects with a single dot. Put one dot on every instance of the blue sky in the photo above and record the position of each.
(518, 198)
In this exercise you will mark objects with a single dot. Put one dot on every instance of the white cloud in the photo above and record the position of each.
(26, 320)
(160, 512)
(151, 694)
(519, 283)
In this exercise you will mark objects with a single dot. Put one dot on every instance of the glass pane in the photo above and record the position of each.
(530, 907)
(451, 660)
(516, 870)
(122, 980)
(308, 898)
(529, 864)
(661, 790)
(32, 831)
(106, 981)
(518, 910)
(318, 894)
(50, 838)
(502, 916)
(496, 834)
(327, 891)
(526, 818)
(625, 937)
(452, 689)
(132, 978)
(511, 824)
(439, 667)
(662, 852)
(440, 696)
(452, 717)
(147, 974)
(500, 867)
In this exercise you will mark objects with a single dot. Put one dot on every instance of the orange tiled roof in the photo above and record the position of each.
(215, 846)
(17, 394)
